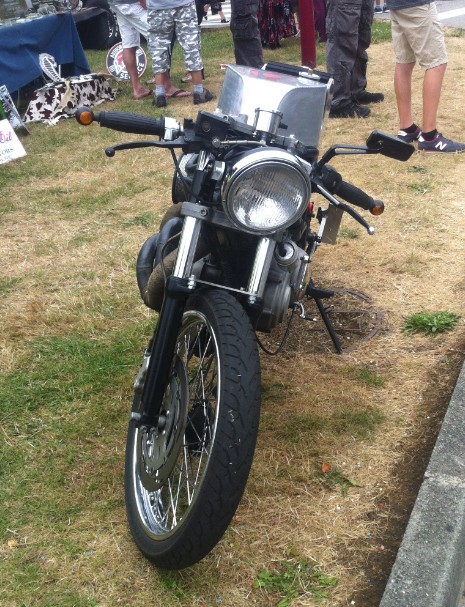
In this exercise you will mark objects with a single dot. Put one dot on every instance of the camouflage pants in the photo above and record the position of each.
(163, 25)
(348, 26)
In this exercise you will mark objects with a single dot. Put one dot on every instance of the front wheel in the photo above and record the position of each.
(185, 478)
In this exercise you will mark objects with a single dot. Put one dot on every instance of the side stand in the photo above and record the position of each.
(318, 295)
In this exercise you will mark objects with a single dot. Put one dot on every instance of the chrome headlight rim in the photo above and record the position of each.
(266, 159)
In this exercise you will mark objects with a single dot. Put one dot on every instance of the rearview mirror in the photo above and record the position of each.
(389, 145)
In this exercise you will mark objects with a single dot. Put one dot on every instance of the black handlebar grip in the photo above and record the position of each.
(359, 198)
(131, 123)
(350, 193)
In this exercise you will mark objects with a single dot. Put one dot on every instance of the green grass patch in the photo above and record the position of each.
(305, 428)
(370, 377)
(292, 579)
(349, 233)
(430, 323)
(145, 220)
(8, 285)
(381, 31)
(330, 477)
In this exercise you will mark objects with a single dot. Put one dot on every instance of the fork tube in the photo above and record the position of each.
(177, 290)
(187, 246)
(261, 265)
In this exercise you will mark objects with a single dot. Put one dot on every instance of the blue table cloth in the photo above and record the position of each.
(21, 44)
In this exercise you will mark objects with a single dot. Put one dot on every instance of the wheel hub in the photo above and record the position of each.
(158, 446)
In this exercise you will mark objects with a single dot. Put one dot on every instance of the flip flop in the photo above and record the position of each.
(179, 93)
(146, 94)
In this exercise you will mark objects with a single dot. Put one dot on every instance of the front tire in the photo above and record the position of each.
(184, 479)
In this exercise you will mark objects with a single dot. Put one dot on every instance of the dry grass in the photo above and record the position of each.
(71, 229)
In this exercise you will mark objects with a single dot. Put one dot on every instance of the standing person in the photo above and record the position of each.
(417, 36)
(348, 27)
(132, 22)
(165, 19)
(216, 9)
(246, 35)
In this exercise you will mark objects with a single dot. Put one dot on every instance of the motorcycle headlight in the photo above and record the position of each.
(265, 191)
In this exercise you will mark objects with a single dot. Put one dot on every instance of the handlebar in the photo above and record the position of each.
(167, 128)
(333, 181)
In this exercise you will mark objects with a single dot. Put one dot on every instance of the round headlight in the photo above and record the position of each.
(266, 190)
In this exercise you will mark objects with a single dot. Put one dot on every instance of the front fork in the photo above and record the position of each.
(178, 287)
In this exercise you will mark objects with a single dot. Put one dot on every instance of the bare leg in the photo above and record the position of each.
(196, 77)
(403, 90)
(130, 61)
(432, 84)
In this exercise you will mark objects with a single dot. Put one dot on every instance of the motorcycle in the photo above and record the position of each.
(231, 259)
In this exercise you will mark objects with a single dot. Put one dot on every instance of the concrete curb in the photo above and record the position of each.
(430, 565)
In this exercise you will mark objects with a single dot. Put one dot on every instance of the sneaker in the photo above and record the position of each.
(366, 97)
(224, 21)
(378, 9)
(351, 110)
(159, 101)
(440, 144)
(385, 8)
(409, 137)
(203, 97)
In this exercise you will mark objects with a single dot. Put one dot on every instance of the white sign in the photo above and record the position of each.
(10, 145)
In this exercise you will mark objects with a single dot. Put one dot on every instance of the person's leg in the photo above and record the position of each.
(130, 61)
(160, 36)
(188, 35)
(246, 34)
(432, 83)
(403, 91)
(359, 73)
(342, 24)
(132, 22)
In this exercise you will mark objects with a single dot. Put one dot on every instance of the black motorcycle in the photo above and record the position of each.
(230, 260)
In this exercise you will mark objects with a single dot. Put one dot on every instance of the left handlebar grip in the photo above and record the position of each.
(123, 121)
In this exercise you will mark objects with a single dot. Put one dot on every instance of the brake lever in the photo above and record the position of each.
(344, 207)
(353, 213)
(111, 151)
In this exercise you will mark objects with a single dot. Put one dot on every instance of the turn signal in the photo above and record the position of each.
(378, 209)
(84, 116)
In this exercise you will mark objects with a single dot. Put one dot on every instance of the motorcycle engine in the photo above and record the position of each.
(285, 282)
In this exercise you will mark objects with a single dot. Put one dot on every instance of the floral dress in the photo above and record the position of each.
(276, 21)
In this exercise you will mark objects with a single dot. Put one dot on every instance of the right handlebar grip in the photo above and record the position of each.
(131, 123)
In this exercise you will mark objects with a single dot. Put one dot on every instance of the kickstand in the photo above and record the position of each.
(318, 295)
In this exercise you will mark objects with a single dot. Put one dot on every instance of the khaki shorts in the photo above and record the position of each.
(417, 36)
(132, 22)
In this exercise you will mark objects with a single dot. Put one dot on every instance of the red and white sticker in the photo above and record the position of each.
(115, 63)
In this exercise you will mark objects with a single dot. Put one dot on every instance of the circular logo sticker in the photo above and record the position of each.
(115, 63)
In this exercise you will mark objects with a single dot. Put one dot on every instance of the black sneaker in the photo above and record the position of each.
(440, 144)
(409, 137)
(203, 97)
(366, 97)
(159, 101)
(351, 110)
